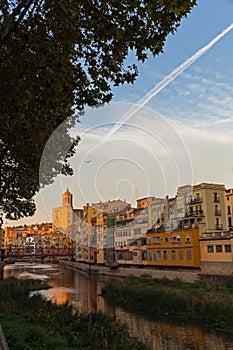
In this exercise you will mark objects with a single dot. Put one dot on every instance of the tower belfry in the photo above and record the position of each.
(67, 198)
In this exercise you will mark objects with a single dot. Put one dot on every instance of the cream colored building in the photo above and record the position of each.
(65, 216)
(92, 233)
(160, 212)
(124, 227)
(229, 208)
(201, 206)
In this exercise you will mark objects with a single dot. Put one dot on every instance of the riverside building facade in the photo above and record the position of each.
(182, 231)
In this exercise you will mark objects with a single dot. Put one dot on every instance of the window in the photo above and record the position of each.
(137, 231)
(229, 222)
(165, 255)
(156, 240)
(189, 254)
(176, 238)
(154, 256)
(149, 240)
(227, 248)
(166, 239)
(228, 210)
(180, 254)
(173, 255)
(150, 256)
(219, 248)
(144, 256)
(216, 197)
(158, 254)
(210, 248)
(187, 238)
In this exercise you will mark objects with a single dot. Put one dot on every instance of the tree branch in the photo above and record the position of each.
(11, 23)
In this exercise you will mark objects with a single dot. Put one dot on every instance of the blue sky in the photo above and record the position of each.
(183, 135)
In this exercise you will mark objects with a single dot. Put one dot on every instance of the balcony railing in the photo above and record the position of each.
(216, 199)
(217, 212)
(195, 200)
(195, 213)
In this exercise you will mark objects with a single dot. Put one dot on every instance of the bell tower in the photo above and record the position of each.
(67, 199)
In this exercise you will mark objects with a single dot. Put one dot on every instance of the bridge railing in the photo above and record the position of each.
(53, 252)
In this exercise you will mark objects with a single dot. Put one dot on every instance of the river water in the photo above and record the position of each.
(83, 291)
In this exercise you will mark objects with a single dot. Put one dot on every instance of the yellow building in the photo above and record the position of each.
(176, 248)
(65, 216)
(101, 234)
(229, 208)
(142, 202)
(216, 253)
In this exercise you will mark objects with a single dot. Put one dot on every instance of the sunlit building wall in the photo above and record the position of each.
(176, 248)
(229, 208)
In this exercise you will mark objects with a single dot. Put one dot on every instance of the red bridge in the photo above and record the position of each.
(51, 252)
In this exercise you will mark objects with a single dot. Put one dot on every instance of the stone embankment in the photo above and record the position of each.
(148, 272)
(144, 272)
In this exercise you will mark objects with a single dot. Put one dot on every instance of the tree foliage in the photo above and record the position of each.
(56, 58)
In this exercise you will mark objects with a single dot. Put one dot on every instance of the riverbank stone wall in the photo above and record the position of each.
(147, 273)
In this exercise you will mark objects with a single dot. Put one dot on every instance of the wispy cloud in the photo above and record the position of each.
(167, 80)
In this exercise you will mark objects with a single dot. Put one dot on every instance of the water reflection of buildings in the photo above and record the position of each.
(171, 334)
(163, 334)
(79, 289)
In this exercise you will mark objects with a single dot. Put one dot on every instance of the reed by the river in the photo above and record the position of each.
(33, 323)
(210, 303)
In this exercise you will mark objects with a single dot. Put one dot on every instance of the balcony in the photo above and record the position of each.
(217, 212)
(196, 200)
(194, 213)
(216, 199)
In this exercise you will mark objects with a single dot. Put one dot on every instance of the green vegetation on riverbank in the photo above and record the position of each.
(211, 303)
(33, 323)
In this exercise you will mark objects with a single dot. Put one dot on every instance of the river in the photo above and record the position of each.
(83, 291)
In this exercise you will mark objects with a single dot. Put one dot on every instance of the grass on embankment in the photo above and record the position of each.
(210, 303)
(33, 323)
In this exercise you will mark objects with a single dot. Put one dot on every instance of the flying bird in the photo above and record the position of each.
(87, 161)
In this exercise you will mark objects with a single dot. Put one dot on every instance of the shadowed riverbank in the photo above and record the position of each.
(211, 304)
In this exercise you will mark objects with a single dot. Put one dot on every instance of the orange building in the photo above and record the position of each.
(176, 248)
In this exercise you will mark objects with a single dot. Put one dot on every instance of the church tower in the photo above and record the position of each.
(67, 199)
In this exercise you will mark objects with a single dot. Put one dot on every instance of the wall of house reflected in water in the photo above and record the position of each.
(84, 292)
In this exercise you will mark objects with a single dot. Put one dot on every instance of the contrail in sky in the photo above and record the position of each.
(167, 80)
